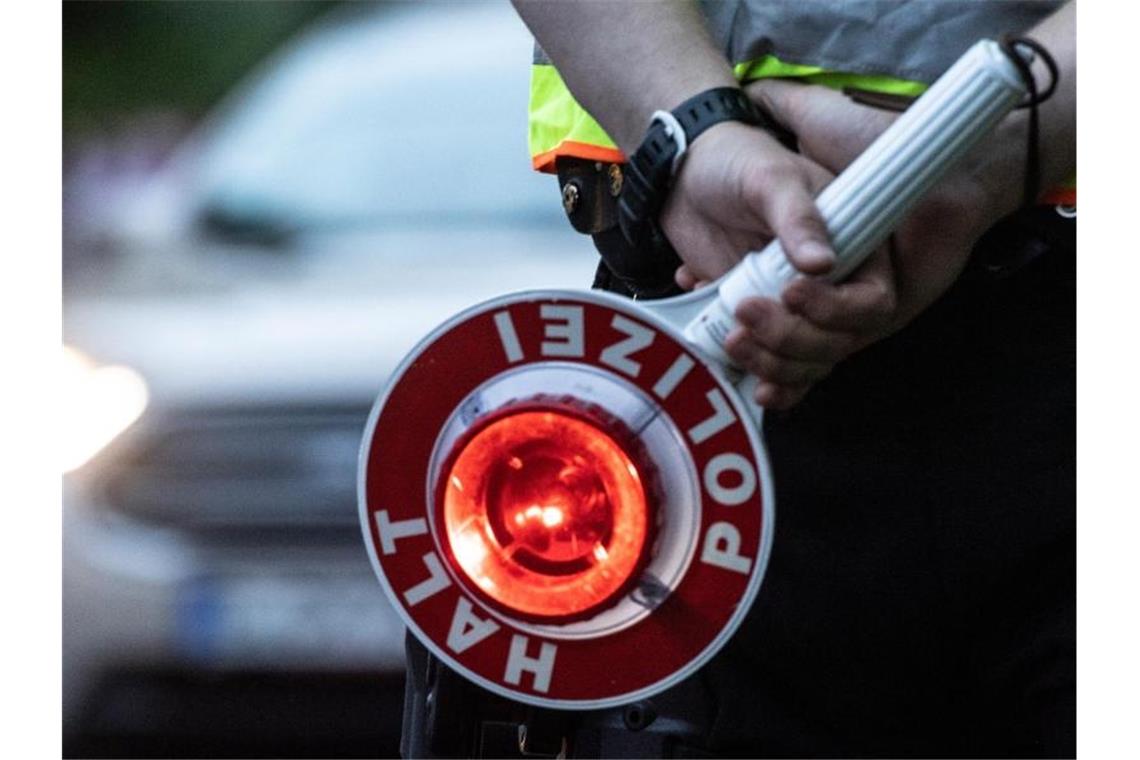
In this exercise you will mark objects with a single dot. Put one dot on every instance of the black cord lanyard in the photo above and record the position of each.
(1009, 45)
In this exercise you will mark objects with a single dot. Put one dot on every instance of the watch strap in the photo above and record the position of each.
(651, 168)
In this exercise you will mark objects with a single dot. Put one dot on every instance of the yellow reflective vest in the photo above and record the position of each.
(878, 47)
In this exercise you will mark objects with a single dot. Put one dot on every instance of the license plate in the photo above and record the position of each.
(292, 622)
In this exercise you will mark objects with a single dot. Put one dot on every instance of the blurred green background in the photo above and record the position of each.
(124, 58)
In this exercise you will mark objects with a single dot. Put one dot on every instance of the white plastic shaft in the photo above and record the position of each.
(868, 200)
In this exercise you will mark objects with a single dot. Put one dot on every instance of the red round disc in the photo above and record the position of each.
(438, 567)
(545, 514)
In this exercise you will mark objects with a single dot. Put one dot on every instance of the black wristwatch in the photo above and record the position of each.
(650, 171)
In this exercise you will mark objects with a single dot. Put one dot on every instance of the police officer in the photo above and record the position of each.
(920, 598)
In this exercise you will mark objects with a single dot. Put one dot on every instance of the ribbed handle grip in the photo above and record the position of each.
(868, 200)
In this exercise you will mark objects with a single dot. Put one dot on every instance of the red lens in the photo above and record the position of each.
(545, 513)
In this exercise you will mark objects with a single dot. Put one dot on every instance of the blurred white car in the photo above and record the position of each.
(369, 182)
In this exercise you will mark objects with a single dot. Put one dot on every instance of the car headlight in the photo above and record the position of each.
(99, 403)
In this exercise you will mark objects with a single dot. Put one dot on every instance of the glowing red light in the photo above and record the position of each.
(545, 513)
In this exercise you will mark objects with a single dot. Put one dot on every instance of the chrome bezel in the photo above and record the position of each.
(678, 497)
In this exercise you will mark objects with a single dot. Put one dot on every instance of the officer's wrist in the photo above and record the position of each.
(653, 167)
(663, 94)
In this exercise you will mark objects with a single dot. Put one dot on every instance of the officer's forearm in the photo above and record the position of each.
(1059, 114)
(1000, 162)
(623, 61)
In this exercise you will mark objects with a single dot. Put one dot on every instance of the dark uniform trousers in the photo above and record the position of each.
(920, 598)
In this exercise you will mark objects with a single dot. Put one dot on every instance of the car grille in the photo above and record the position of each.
(249, 468)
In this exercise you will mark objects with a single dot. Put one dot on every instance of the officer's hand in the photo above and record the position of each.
(793, 343)
(737, 189)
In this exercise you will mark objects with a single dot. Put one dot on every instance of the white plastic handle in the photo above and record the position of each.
(868, 200)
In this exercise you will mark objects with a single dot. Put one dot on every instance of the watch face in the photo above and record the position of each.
(564, 502)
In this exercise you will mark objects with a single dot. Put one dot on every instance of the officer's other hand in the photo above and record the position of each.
(793, 343)
(736, 190)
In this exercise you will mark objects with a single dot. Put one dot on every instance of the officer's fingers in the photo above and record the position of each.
(865, 304)
(774, 396)
(685, 278)
(769, 366)
(771, 325)
(784, 192)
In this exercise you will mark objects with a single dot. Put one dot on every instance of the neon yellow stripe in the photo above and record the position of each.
(556, 118)
(770, 66)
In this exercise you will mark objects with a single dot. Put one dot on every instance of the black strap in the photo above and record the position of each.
(1009, 45)
(650, 170)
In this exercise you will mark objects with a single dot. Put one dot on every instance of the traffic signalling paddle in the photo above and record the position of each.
(565, 494)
